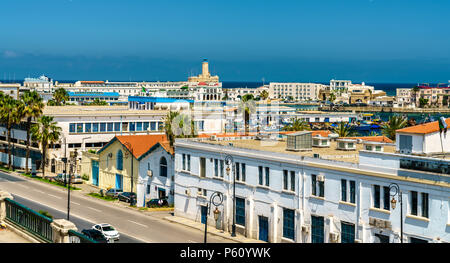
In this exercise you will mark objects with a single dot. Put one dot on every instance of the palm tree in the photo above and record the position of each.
(46, 132)
(264, 95)
(33, 110)
(344, 130)
(394, 123)
(12, 112)
(247, 106)
(297, 125)
(60, 96)
(332, 97)
(178, 125)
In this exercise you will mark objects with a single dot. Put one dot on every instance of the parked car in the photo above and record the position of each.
(158, 202)
(113, 192)
(108, 231)
(95, 235)
(127, 196)
(74, 179)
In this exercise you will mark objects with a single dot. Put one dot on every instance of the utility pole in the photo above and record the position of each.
(73, 156)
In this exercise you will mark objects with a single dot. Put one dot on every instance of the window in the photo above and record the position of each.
(317, 229)
(95, 127)
(132, 126)
(138, 126)
(184, 161)
(347, 232)
(145, 126)
(293, 181)
(387, 203)
(288, 223)
(79, 127)
(285, 179)
(222, 167)
(117, 126)
(102, 126)
(243, 171)
(72, 127)
(425, 205)
(344, 190)
(317, 186)
(110, 126)
(376, 196)
(238, 171)
(260, 171)
(189, 162)
(240, 211)
(267, 176)
(216, 167)
(202, 167)
(119, 160)
(352, 192)
(163, 167)
(153, 126)
(87, 127)
(414, 202)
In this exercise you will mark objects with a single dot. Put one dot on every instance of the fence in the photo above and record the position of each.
(29, 220)
(75, 237)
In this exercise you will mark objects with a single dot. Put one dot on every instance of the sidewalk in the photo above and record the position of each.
(9, 236)
(211, 229)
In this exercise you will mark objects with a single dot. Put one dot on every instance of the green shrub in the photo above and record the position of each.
(45, 213)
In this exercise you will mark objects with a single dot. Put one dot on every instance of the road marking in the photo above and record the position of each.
(54, 196)
(137, 223)
(42, 192)
(74, 203)
(93, 209)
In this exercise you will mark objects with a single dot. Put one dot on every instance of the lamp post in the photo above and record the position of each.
(73, 156)
(398, 192)
(132, 174)
(229, 161)
(216, 199)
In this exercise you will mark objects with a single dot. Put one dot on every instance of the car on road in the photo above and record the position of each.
(108, 231)
(158, 202)
(113, 192)
(74, 179)
(127, 196)
(95, 235)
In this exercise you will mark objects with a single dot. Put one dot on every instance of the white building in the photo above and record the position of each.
(297, 91)
(289, 197)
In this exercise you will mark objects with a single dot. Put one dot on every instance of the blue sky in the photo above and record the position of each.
(361, 40)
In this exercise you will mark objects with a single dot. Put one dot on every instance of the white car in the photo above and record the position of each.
(108, 231)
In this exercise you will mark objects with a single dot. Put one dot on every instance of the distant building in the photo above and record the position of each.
(205, 76)
(43, 84)
(295, 91)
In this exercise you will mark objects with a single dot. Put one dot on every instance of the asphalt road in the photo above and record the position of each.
(85, 211)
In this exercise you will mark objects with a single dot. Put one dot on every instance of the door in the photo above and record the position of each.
(95, 173)
(405, 144)
(204, 212)
(119, 181)
(161, 193)
(263, 228)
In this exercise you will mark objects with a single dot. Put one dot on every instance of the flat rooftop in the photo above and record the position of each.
(330, 153)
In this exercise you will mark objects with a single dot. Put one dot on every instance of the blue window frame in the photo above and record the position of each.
(160, 125)
(163, 167)
(317, 229)
(95, 127)
(87, 127)
(103, 127)
(72, 127)
(138, 126)
(344, 190)
(145, 126)
(288, 223)
(260, 171)
(110, 126)
(352, 192)
(119, 160)
(243, 172)
(79, 127)
(267, 176)
(240, 211)
(347, 232)
(153, 126)
(116, 126)
(132, 126)
(376, 196)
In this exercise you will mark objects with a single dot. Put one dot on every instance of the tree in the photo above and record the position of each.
(297, 125)
(98, 102)
(247, 107)
(178, 125)
(332, 97)
(60, 96)
(422, 102)
(344, 130)
(47, 132)
(264, 95)
(11, 113)
(394, 123)
(33, 109)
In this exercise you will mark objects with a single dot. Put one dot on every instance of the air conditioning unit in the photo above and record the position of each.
(334, 237)
(187, 192)
(320, 178)
(306, 228)
(149, 173)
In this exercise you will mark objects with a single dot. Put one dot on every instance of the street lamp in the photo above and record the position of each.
(398, 192)
(73, 156)
(132, 174)
(216, 203)
(229, 161)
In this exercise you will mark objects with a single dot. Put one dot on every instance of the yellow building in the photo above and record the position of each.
(205, 76)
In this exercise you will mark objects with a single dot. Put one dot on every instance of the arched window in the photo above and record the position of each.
(163, 167)
(119, 160)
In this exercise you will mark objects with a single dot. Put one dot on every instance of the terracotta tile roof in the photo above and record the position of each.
(142, 143)
(425, 128)
(321, 133)
(166, 146)
(380, 138)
